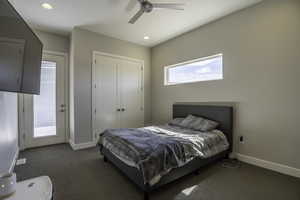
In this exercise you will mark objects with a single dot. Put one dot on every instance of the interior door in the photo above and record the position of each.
(131, 94)
(45, 114)
(117, 93)
(106, 104)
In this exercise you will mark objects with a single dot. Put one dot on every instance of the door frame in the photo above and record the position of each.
(22, 128)
(95, 53)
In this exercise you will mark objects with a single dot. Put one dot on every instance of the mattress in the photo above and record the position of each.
(155, 150)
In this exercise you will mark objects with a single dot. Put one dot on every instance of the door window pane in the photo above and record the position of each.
(203, 69)
(45, 103)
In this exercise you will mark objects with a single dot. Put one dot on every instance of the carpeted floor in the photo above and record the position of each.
(82, 175)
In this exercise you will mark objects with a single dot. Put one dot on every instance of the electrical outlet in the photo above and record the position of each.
(21, 161)
(242, 139)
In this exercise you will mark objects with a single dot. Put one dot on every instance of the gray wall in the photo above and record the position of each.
(8, 130)
(83, 43)
(261, 47)
(54, 42)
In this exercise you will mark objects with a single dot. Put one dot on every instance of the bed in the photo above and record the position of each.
(221, 114)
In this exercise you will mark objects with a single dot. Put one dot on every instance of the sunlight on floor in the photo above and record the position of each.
(187, 193)
(189, 190)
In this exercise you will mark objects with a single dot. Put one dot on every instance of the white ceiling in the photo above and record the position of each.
(110, 17)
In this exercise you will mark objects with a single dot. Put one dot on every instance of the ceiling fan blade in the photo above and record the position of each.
(136, 16)
(174, 6)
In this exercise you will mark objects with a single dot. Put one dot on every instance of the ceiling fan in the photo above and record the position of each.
(147, 7)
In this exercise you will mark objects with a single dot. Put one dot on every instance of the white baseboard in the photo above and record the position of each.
(79, 146)
(284, 169)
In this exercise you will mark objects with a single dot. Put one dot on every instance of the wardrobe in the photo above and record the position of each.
(118, 93)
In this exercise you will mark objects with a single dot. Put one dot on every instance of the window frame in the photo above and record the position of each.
(166, 70)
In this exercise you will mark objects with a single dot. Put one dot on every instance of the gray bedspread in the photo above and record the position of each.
(156, 150)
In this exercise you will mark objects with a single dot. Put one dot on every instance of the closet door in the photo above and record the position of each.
(131, 94)
(106, 98)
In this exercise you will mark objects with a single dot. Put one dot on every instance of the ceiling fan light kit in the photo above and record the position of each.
(147, 7)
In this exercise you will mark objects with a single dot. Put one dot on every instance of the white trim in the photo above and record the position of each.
(11, 169)
(67, 89)
(117, 56)
(80, 146)
(56, 53)
(284, 169)
(142, 62)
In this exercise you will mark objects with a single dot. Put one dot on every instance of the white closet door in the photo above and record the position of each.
(106, 97)
(131, 94)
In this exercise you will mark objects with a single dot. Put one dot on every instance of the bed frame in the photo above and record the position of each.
(221, 114)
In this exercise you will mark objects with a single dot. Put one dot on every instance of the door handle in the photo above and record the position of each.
(62, 105)
(62, 110)
(123, 109)
(118, 110)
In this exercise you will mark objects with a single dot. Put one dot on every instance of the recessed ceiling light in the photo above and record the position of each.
(146, 38)
(47, 6)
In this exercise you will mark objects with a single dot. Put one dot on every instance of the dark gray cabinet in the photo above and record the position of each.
(12, 54)
(20, 53)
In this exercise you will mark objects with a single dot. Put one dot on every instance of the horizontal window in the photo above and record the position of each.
(203, 69)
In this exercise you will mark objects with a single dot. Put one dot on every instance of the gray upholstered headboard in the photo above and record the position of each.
(221, 114)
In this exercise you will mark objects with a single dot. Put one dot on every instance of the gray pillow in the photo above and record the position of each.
(198, 123)
(186, 122)
(176, 121)
(204, 125)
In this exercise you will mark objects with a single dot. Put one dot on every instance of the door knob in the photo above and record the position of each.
(118, 109)
(62, 110)
(62, 105)
(123, 109)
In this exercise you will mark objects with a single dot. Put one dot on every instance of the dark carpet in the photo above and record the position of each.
(82, 175)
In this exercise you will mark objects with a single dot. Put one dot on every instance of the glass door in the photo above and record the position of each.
(45, 114)
(44, 105)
